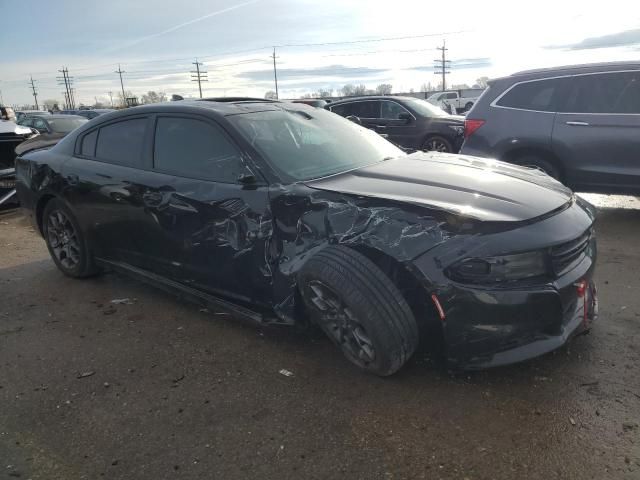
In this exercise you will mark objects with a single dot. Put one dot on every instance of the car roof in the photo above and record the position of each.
(223, 106)
(56, 116)
(572, 70)
(373, 97)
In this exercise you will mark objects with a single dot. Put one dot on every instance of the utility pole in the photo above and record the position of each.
(124, 97)
(66, 80)
(35, 93)
(442, 64)
(275, 71)
(111, 98)
(199, 76)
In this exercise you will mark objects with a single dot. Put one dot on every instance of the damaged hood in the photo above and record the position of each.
(483, 189)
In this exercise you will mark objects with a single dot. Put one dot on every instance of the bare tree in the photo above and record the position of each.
(51, 104)
(384, 89)
(325, 92)
(426, 87)
(360, 89)
(270, 95)
(127, 94)
(348, 90)
(154, 97)
(482, 82)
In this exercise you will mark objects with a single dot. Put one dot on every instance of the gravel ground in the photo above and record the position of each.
(158, 389)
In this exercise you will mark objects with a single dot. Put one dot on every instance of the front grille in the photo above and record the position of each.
(567, 255)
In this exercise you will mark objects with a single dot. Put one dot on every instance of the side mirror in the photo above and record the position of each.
(35, 131)
(406, 116)
(246, 179)
(354, 119)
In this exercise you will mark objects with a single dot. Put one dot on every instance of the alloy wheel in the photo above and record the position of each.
(436, 145)
(63, 239)
(341, 324)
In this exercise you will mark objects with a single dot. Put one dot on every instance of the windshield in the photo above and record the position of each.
(306, 144)
(65, 125)
(425, 108)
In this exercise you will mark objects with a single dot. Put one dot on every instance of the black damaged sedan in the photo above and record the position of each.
(282, 213)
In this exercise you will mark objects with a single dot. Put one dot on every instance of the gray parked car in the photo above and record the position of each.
(580, 124)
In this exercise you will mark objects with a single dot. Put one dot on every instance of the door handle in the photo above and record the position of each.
(577, 124)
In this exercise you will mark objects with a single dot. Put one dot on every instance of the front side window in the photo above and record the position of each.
(122, 142)
(39, 124)
(302, 145)
(196, 149)
(605, 93)
(538, 95)
(392, 110)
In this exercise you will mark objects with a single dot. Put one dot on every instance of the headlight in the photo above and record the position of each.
(502, 268)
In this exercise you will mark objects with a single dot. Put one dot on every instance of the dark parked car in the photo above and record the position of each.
(52, 129)
(30, 113)
(89, 114)
(579, 124)
(313, 102)
(283, 213)
(408, 122)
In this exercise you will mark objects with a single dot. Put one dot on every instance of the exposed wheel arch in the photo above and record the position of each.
(40, 206)
(415, 294)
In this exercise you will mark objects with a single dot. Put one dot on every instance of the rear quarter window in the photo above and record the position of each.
(539, 95)
(122, 142)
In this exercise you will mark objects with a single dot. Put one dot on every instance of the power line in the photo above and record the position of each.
(35, 93)
(124, 96)
(275, 70)
(68, 91)
(441, 65)
(199, 76)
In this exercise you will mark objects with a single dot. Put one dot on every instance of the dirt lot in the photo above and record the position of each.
(158, 389)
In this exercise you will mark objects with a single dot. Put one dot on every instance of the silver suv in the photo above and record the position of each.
(580, 124)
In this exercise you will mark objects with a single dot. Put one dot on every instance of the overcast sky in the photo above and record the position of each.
(321, 44)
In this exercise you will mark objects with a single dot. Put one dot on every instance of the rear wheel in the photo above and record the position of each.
(468, 106)
(359, 309)
(535, 161)
(437, 143)
(65, 241)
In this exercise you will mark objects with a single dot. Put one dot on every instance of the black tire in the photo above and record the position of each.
(468, 106)
(534, 161)
(359, 309)
(437, 143)
(66, 242)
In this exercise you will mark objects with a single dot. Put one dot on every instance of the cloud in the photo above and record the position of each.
(341, 71)
(620, 39)
(180, 25)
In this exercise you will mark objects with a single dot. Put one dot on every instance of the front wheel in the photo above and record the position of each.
(66, 242)
(359, 309)
(437, 143)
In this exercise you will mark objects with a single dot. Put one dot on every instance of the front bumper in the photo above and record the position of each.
(487, 326)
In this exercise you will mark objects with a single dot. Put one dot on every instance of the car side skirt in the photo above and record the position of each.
(190, 294)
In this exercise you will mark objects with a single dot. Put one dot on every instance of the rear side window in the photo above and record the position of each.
(122, 142)
(195, 149)
(605, 93)
(88, 148)
(539, 95)
(366, 109)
